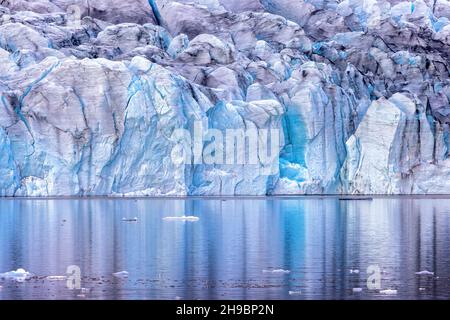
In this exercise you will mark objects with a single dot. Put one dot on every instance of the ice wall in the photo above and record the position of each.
(93, 92)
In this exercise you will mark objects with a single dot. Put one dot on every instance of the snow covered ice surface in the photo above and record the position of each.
(92, 92)
(277, 271)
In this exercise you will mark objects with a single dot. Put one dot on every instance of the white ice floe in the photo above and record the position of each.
(56, 278)
(356, 271)
(295, 293)
(389, 291)
(182, 218)
(425, 273)
(357, 290)
(422, 289)
(19, 275)
(277, 271)
(135, 219)
(121, 274)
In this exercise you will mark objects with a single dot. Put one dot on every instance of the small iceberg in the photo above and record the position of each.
(356, 271)
(56, 278)
(121, 274)
(182, 218)
(357, 290)
(295, 293)
(19, 275)
(135, 219)
(282, 271)
(389, 291)
(85, 290)
(425, 273)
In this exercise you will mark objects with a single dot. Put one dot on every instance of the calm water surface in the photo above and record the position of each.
(325, 246)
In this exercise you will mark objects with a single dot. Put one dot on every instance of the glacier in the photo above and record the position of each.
(92, 93)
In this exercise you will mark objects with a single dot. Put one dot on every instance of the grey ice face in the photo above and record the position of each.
(92, 94)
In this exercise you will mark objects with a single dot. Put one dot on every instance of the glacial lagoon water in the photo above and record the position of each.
(263, 248)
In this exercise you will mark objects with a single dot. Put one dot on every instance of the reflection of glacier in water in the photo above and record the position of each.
(320, 241)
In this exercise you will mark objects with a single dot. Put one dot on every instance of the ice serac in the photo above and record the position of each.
(104, 131)
(242, 172)
(8, 170)
(321, 117)
(93, 92)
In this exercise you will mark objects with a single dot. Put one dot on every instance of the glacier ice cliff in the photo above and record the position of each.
(92, 93)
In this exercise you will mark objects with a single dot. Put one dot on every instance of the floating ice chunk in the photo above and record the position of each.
(19, 275)
(182, 218)
(357, 290)
(178, 298)
(356, 271)
(425, 273)
(295, 293)
(121, 274)
(355, 198)
(135, 219)
(389, 291)
(422, 289)
(205, 49)
(277, 271)
(56, 278)
(344, 9)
